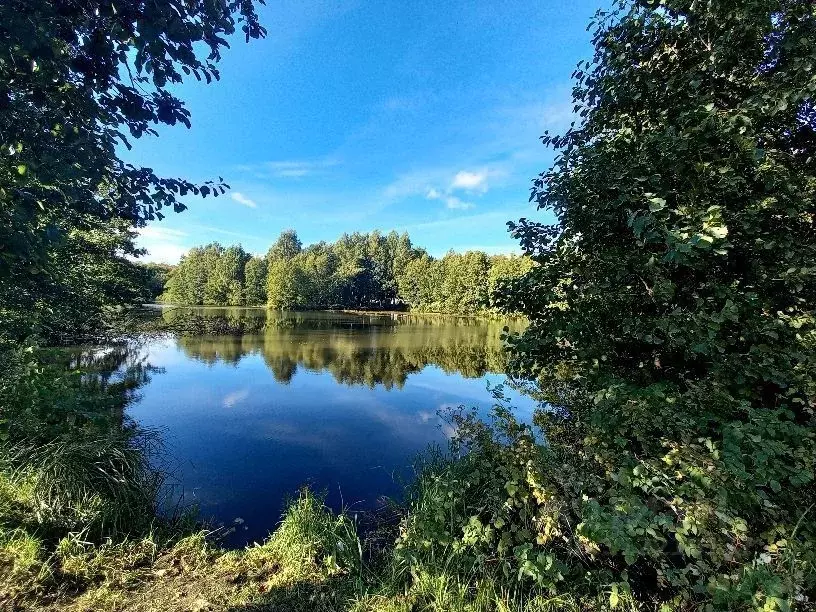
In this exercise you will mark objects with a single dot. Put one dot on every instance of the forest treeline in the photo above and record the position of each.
(358, 270)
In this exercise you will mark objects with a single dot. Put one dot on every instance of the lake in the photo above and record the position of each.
(343, 402)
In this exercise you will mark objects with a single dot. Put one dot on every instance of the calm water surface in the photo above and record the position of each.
(343, 402)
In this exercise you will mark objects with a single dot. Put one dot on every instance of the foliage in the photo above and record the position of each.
(256, 272)
(357, 271)
(191, 276)
(77, 80)
(225, 281)
(464, 283)
(65, 440)
(314, 560)
(73, 467)
(95, 276)
(382, 351)
(287, 246)
(672, 318)
(154, 278)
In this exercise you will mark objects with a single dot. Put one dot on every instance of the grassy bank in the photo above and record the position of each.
(487, 527)
(79, 527)
(314, 560)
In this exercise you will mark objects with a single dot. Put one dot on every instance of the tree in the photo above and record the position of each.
(420, 284)
(672, 313)
(357, 271)
(320, 284)
(77, 80)
(255, 278)
(225, 283)
(505, 274)
(286, 281)
(190, 281)
(464, 287)
(154, 278)
(286, 246)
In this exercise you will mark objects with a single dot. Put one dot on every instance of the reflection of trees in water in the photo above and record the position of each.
(87, 465)
(357, 349)
(83, 388)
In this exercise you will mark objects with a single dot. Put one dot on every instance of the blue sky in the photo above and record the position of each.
(418, 116)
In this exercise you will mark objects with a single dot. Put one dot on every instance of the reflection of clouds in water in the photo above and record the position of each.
(408, 426)
(438, 417)
(445, 424)
(313, 437)
(329, 430)
(231, 399)
(424, 416)
(468, 389)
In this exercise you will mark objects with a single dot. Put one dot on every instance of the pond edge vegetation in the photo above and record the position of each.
(672, 334)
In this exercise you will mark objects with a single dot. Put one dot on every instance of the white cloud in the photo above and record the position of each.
(479, 221)
(463, 180)
(470, 181)
(236, 397)
(164, 253)
(455, 203)
(160, 233)
(242, 199)
(413, 183)
(289, 168)
(163, 245)
(218, 230)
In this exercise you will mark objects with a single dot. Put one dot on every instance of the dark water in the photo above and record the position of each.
(342, 402)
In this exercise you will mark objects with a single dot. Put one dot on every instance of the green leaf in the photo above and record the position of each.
(613, 597)
(656, 204)
(717, 231)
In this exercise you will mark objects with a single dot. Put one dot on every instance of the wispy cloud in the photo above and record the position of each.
(473, 182)
(236, 397)
(451, 201)
(455, 203)
(239, 197)
(492, 219)
(161, 233)
(218, 230)
(290, 169)
(434, 183)
(470, 181)
(163, 245)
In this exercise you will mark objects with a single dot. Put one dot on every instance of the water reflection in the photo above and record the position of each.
(367, 349)
(255, 404)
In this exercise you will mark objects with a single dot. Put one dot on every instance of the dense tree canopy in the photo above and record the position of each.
(255, 277)
(672, 321)
(154, 278)
(78, 80)
(357, 271)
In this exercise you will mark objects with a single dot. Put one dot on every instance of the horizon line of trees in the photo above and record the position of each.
(359, 270)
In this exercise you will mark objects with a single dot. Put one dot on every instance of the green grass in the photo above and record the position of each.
(314, 560)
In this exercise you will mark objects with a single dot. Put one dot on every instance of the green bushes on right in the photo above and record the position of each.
(672, 323)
